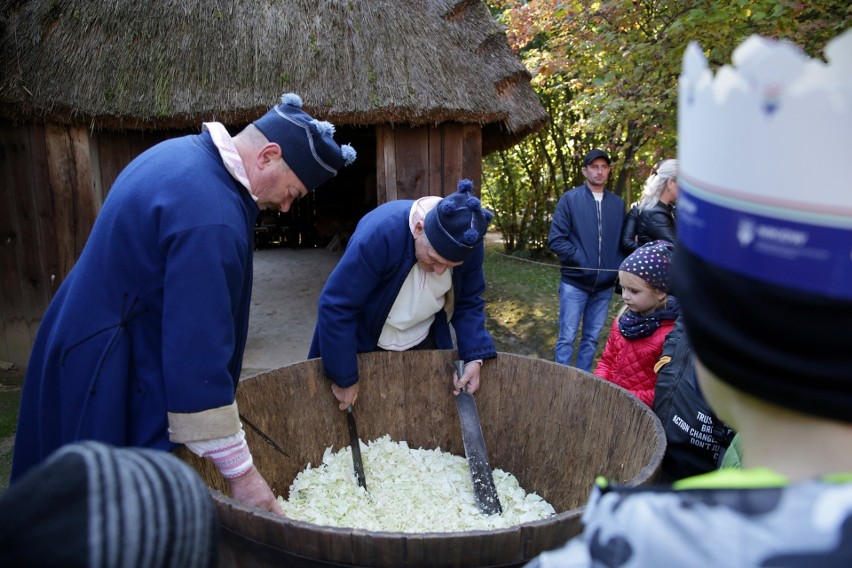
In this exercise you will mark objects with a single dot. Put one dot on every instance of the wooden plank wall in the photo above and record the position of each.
(49, 209)
(53, 180)
(426, 160)
(13, 146)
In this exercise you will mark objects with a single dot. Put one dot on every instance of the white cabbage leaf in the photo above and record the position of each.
(409, 490)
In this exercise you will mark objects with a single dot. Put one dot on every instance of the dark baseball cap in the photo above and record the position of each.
(594, 155)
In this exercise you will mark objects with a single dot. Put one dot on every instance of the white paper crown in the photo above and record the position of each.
(764, 150)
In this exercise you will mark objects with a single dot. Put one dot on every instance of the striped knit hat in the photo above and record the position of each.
(95, 506)
(307, 144)
(457, 225)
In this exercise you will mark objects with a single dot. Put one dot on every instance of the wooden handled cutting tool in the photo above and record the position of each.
(355, 444)
(484, 491)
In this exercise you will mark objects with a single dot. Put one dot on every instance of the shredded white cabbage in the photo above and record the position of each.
(408, 491)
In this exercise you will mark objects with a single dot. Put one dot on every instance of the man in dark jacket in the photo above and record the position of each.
(585, 235)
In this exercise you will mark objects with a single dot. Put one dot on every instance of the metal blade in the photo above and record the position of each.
(264, 436)
(355, 444)
(484, 491)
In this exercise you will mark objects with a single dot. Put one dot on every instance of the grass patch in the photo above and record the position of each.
(6, 448)
(522, 304)
(10, 401)
(11, 383)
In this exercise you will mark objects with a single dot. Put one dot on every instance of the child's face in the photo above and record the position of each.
(638, 295)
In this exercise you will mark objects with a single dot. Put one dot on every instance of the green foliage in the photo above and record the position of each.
(607, 74)
(523, 185)
(520, 195)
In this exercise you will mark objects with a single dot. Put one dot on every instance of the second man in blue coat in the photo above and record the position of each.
(410, 270)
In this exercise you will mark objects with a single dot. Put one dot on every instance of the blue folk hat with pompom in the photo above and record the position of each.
(457, 225)
(307, 144)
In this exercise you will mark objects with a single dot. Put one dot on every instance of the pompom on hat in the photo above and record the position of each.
(763, 265)
(457, 225)
(652, 263)
(307, 144)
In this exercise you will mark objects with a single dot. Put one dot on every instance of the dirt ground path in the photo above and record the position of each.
(287, 284)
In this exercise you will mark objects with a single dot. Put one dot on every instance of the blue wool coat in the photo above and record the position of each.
(153, 317)
(359, 294)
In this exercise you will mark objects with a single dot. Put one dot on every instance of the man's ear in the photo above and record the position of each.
(268, 154)
(418, 229)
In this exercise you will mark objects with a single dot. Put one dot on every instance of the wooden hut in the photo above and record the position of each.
(421, 88)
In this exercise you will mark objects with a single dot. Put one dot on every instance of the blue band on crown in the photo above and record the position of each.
(804, 251)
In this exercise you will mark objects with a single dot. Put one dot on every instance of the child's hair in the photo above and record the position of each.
(656, 183)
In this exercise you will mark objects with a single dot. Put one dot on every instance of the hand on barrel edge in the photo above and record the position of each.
(470, 378)
(251, 489)
(346, 396)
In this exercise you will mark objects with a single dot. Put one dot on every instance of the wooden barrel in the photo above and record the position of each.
(554, 427)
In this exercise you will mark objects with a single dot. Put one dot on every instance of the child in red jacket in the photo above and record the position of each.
(637, 335)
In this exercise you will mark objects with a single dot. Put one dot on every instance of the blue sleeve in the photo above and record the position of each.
(474, 341)
(358, 274)
(204, 287)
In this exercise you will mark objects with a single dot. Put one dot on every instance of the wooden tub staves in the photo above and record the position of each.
(554, 427)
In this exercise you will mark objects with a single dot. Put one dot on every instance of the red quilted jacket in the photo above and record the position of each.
(629, 363)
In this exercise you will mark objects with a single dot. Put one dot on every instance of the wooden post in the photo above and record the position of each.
(426, 160)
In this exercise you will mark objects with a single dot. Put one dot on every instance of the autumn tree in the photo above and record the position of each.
(607, 74)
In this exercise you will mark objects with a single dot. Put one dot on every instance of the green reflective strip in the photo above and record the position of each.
(731, 478)
(838, 478)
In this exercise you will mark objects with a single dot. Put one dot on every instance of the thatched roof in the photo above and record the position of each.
(131, 64)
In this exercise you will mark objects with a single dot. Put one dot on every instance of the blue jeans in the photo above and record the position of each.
(592, 308)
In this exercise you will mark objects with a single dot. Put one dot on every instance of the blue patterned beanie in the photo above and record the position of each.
(652, 263)
(307, 144)
(457, 225)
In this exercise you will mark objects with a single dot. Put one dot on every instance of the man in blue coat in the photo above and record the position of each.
(585, 234)
(410, 270)
(143, 343)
